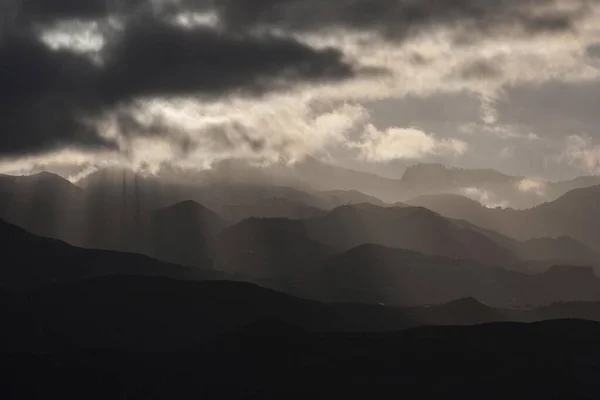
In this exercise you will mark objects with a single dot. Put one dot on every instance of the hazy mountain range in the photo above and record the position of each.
(574, 214)
(280, 254)
(335, 245)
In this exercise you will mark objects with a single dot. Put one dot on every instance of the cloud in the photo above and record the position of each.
(254, 136)
(52, 10)
(593, 50)
(392, 18)
(44, 98)
(398, 18)
(505, 132)
(553, 110)
(154, 58)
(485, 197)
(581, 152)
(480, 69)
(85, 37)
(260, 78)
(403, 143)
(529, 185)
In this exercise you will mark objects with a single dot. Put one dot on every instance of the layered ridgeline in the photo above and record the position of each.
(279, 254)
(340, 246)
(130, 213)
(575, 214)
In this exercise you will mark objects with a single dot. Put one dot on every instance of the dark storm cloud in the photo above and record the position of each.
(51, 10)
(394, 18)
(44, 93)
(593, 50)
(157, 59)
(47, 94)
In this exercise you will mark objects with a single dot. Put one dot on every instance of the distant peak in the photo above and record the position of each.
(271, 222)
(47, 174)
(45, 179)
(424, 171)
(186, 205)
(444, 197)
(466, 302)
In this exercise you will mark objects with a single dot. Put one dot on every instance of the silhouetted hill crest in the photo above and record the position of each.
(194, 210)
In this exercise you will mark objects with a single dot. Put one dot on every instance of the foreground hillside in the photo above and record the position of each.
(139, 313)
(558, 359)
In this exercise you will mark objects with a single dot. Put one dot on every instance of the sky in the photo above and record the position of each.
(375, 85)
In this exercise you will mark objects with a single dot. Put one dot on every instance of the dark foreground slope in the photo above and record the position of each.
(159, 314)
(558, 359)
(157, 338)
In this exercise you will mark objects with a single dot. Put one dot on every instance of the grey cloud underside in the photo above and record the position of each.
(44, 94)
(48, 94)
(552, 110)
(594, 50)
(51, 10)
(154, 58)
(480, 69)
(391, 16)
(395, 18)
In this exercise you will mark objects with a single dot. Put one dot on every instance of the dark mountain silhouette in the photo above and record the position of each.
(540, 253)
(275, 207)
(410, 228)
(574, 215)
(270, 248)
(193, 214)
(183, 234)
(561, 249)
(427, 178)
(116, 202)
(278, 253)
(43, 203)
(180, 233)
(376, 274)
(450, 205)
(338, 198)
(30, 260)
